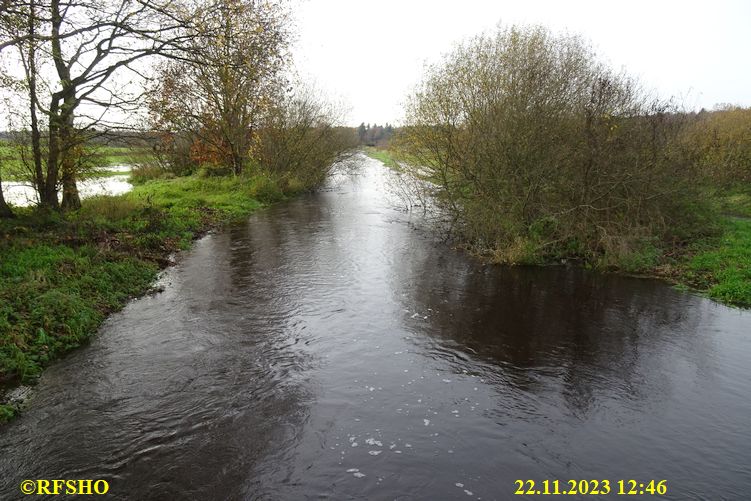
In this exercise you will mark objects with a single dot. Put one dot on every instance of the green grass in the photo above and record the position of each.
(11, 166)
(232, 196)
(383, 155)
(61, 275)
(104, 172)
(736, 202)
(118, 155)
(720, 267)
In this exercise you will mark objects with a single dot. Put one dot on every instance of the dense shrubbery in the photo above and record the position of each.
(540, 150)
(295, 145)
(721, 141)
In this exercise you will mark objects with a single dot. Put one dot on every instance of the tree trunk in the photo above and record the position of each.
(237, 163)
(48, 198)
(71, 199)
(36, 147)
(5, 211)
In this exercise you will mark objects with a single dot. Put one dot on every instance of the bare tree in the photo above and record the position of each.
(81, 48)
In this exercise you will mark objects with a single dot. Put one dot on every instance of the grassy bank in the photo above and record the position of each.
(717, 264)
(383, 155)
(720, 266)
(61, 275)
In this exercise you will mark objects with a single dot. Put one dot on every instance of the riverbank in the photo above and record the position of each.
(61, 275)
(717, 264)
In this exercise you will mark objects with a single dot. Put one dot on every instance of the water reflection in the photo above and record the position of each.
(534, 328)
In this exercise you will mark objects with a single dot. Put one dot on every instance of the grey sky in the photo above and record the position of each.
(370, 53)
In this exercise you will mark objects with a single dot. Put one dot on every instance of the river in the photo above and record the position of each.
(331, 347)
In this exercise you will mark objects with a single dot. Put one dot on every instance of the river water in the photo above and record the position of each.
(330, 348)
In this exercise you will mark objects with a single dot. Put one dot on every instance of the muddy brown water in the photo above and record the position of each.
(328, 349)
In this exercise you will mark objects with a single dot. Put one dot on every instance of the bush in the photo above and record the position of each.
(299, 139)
(266, 189)
(539, 148)
(147, 171)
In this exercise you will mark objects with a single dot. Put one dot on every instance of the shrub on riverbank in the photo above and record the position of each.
(61, 274)
(541, 152)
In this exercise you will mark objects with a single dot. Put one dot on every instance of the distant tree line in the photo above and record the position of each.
(375, 135)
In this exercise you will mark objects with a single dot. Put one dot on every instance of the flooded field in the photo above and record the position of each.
(22, 194)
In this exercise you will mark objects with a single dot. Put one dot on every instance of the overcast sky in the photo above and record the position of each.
(369, 54)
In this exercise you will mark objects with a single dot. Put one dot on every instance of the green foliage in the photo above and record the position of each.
(721, 266)
(6, 412)
(54, 296)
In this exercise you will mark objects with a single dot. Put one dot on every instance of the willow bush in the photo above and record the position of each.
(540, 150)
(299, 141)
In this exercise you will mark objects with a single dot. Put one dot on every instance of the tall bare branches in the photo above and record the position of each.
(86, 51)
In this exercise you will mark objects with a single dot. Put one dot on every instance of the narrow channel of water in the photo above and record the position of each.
(328, 349)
